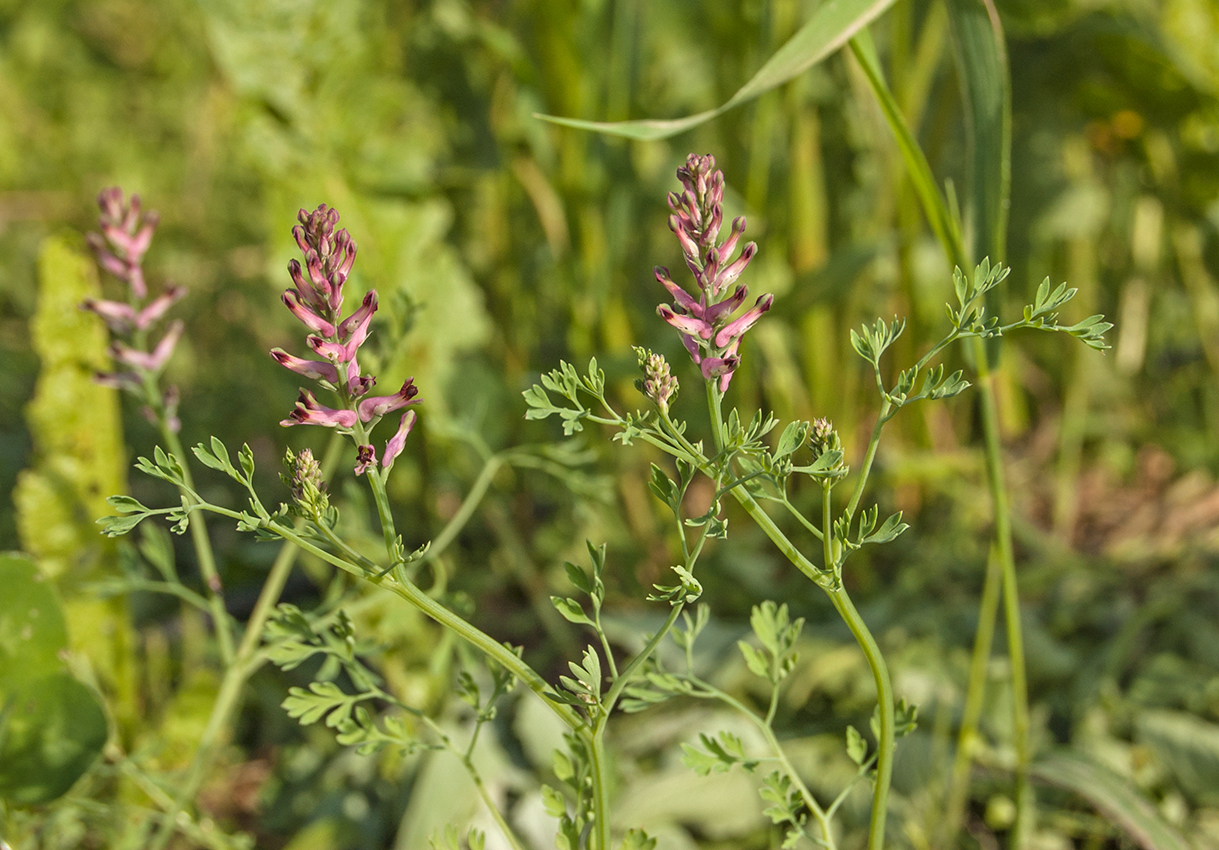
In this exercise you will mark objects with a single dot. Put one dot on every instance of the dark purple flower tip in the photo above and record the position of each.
(318, 370)
(733, 270)
(717, 311)
(398, 442)
(311, 320)
(309, 412)
(366, 458)
(371, 408)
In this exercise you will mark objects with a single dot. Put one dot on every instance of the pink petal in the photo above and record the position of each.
(119, 317)
(362, 314)
(746, 321)
(158, 306)
(310, 319)
(679, 295)
(309, 412)
(728, 305)
(316, 369)
(397, 442)
(380, 405)
(685, 324)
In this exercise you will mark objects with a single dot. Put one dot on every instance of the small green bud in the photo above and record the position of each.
(304, 479)
(658, 382)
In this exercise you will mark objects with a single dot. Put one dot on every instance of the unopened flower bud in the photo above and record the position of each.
(304, 479)
(823, 438)
(658, 382)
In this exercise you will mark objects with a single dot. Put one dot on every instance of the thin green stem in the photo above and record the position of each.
(808, 526)
(814, 807)
(967, 736)
(846, 609)
(199, 537)
(1025, 801)
(620, 682)
(869, 456)
(601, 781)
(238, 672)
(884, 698)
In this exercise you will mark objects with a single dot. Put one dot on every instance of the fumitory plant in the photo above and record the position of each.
(745, 456)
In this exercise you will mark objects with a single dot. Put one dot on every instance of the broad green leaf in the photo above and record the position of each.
(982, 70)
(32, 629)
(833, 24)
(1113, 796)
(51, 731)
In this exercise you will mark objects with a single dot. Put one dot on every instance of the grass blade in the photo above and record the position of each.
(986, 90)
(833, 24)
(1113, 797)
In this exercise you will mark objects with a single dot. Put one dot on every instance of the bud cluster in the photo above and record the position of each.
(120, 248)
(708, 332)
(658, 382)
(304, 479)
(316, 301)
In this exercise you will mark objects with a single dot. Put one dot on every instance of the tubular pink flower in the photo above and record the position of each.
(309, 412)
(729, 244)
(683, 298)
(119, 317)
(310, 319)
(159, 306)
(686, 324)
(732, 271)
(362, 315)
(736, 328)
(317, 369)
(366, 458)
(306, 290)
(728, 306)
(398, 442)
(149, 361)
(692, 346)
(371, 408)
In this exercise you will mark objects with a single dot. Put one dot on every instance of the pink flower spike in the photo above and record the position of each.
(398, 442)
(685, 324)
(379, 405)
(311, 320)
(159, 305)
(119, 317)
(362, 313)
(315, 369)
(309, 412)
(366, 457)
(734, 329)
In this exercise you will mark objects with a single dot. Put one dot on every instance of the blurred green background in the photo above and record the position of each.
(500, 244)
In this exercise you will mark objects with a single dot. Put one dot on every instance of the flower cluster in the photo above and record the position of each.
(317, 300)
(120, 248)
(709, 333)
(658, 382)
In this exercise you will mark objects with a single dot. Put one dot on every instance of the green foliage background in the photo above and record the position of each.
(500, 244)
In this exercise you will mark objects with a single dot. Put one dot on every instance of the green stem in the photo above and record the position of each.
(1025, 801)
(958, 789)
(869, 456)
(859, 629)
(884, 698)
(238, 672)
(772, 741)
(198, 534)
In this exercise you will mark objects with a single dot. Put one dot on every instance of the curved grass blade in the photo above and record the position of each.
(1113, 797)
(987, 92)
(941, 219)
(833, 24)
